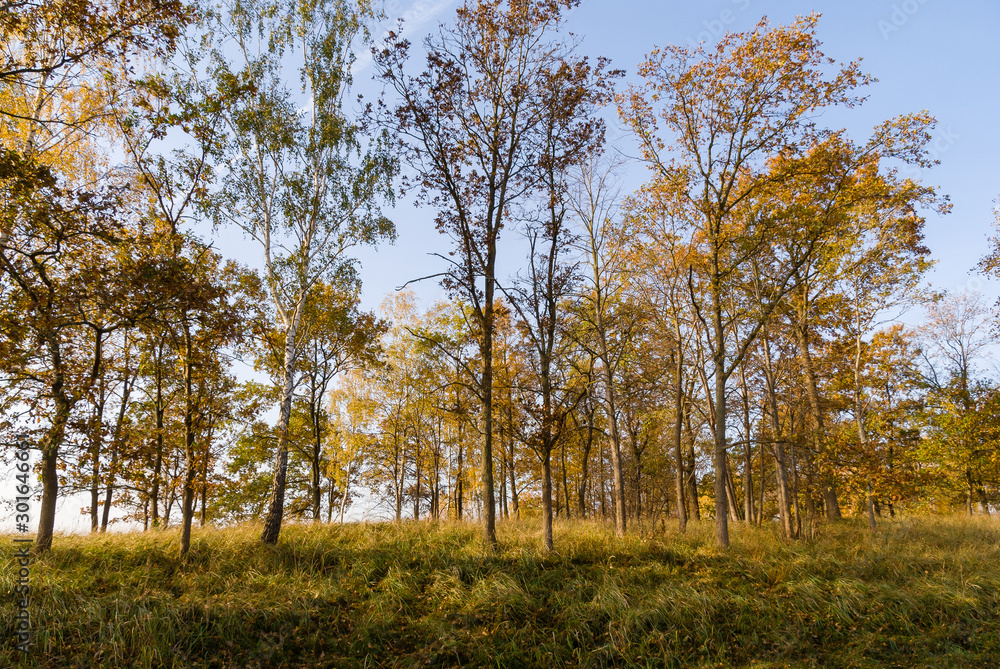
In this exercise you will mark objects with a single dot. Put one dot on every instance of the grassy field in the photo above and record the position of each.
(922, 592)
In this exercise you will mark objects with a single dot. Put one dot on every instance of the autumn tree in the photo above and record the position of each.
(571, 96)
(739, 122)
(657, 251)
(62, 64)
(607, 325)
(301, 184)
(124, 374)
(338, 337)
(586, 431)
(507, 347)
(55, 62)
(56, 292)
(879, 429)
(393, 391)
(351, 438)
(444, 368)
(207, 316)
(46, 40)
(878, 267)
(955, 342)
(474, 125)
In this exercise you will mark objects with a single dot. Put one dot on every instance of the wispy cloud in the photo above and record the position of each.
(416, 14)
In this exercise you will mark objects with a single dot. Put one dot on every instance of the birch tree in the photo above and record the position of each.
(300, 182)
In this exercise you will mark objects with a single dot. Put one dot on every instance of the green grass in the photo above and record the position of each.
(921, 592)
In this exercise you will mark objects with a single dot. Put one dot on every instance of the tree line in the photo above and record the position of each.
(720, 343)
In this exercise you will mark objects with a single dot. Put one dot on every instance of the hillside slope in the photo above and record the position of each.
(921, 592)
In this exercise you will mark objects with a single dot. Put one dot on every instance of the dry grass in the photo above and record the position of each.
(921, 592)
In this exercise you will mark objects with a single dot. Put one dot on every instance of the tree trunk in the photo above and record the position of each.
(127, 384)
(187, 510)
(692, 474)
(870, 498)
(50, 450)
(97, 432)
(50, 472)
(344, 496)
(97, 439)
(830, 503)
(276, 503)
(547, 500)
(315, 462)
(399, 475)
(112, 471)
(637, 457)
(416, 474)
(330, 499)
(721, 499)
(436, 492)
(459, 489)
(778, 446)
(984, 501)
(503, 481)
(795, 490)
(760, 494)
(565, 482)
(588, 444)
(154, 498)
(781, 480)
(748, 512)
(968, 492)
(678, 431)
(486, 350)
(618, 479)
(734, 512)
(514, 501)
(204, 475)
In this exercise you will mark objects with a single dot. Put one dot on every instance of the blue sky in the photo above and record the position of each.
(926, 54)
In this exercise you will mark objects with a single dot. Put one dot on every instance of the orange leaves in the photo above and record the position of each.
(737, 104)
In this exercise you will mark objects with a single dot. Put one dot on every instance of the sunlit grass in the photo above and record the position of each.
(920, 592)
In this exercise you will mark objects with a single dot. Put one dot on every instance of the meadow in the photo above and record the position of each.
(919, 592)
